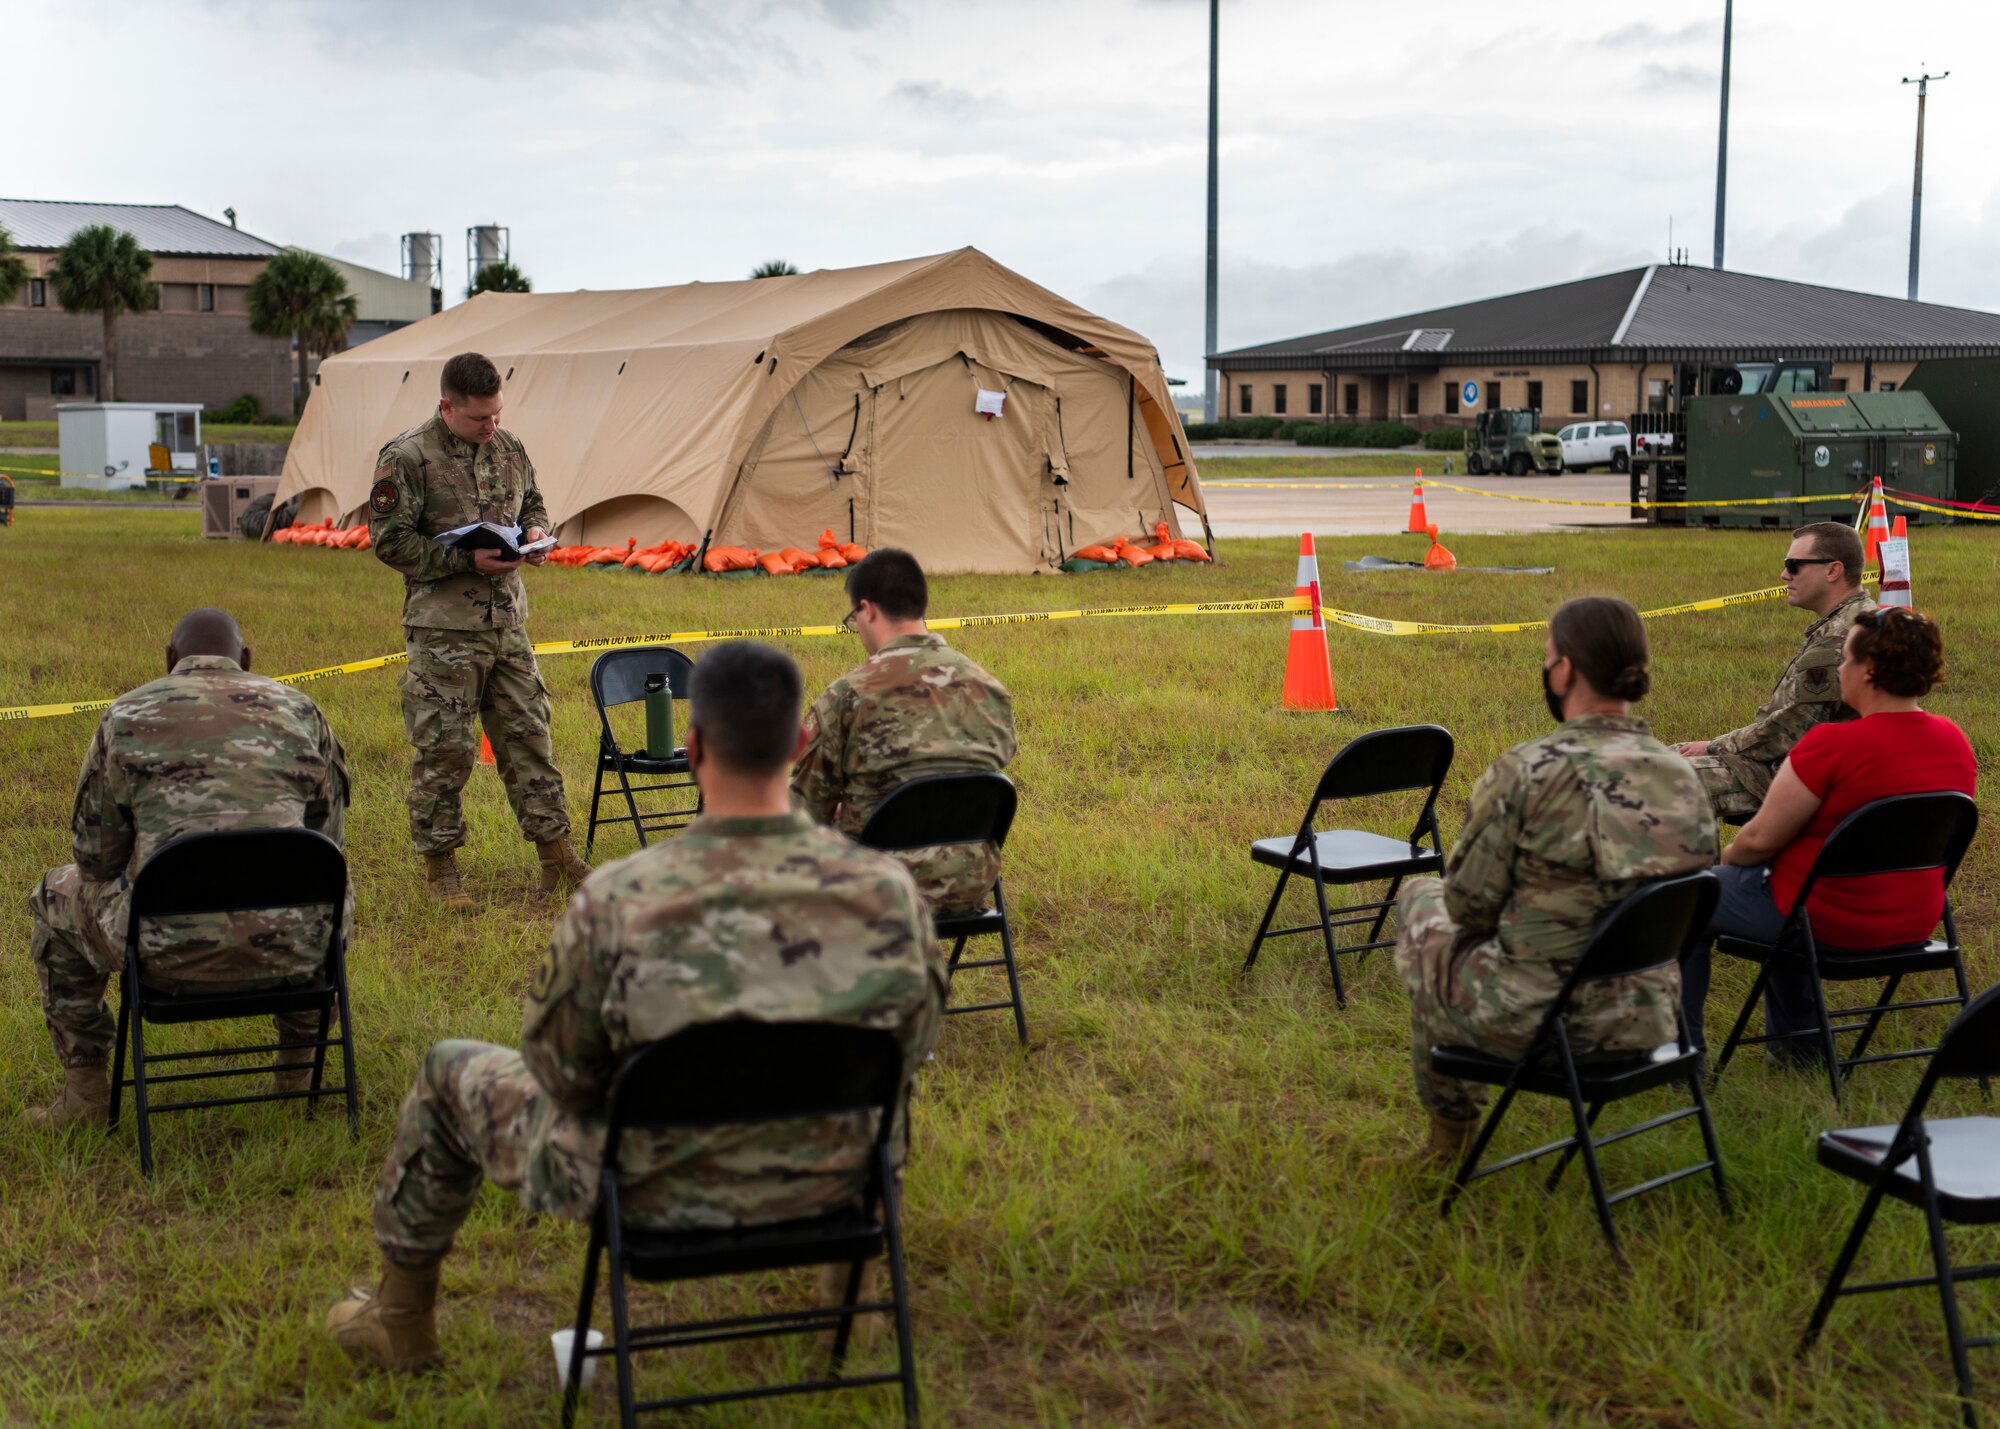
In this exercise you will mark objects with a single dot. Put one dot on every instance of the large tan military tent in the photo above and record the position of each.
(759, 413)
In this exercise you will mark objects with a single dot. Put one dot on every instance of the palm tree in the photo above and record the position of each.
(13, 267)
(303, 297)
(499, 278)
(102, 270)
(775, 268)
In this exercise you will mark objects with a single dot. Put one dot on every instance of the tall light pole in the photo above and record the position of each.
(1214, 33)
(1922, 82)
(1722, 141)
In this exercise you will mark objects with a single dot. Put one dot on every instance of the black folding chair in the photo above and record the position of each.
(1950, 1169)
(1385, 761)
(731, 1074)
(943, 809)
(1654, 928)
(619, 678)
(235, 871)
(1908, 833)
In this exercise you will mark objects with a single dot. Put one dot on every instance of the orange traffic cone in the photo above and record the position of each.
(1878, 524)
(1900, 531)
(1308, 665)
(485, 748)
(1418, 520)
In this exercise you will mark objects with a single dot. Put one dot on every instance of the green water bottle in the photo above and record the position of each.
(659, 718)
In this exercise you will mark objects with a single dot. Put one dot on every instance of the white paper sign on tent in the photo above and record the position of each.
(990, 404)
(1895, 558)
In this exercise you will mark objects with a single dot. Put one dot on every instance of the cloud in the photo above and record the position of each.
(935, 97)
(1659, 78)
(1642, 35)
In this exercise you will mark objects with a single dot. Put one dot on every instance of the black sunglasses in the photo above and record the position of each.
(848, 623)
(1795, 564)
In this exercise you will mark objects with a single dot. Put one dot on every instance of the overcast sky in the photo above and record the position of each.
(1376, 158)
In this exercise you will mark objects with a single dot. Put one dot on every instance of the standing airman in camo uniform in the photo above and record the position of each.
(914, 707)
(209, 746)
(1823, 575)
(1558, 831)
(753, 912)
(464, 626)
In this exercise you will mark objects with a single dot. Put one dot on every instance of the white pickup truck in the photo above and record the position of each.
(1596, 444)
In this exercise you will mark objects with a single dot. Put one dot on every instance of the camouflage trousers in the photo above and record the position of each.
(73, 964)
(955, 878)
(1736, 786)
(452, 676)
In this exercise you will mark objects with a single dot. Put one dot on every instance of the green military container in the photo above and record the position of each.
(1966, 393)
(1814, 444)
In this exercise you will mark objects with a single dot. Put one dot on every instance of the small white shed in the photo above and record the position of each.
(107, 445)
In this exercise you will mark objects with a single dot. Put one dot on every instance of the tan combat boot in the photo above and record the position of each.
(1450, 1138)
(86, 1096)
(560, 863)
(441, 881)
(394, 1328)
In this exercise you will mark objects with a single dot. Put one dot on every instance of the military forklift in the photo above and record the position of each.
(1511, 439)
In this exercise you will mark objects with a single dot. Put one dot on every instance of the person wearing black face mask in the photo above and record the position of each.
(1558, 830)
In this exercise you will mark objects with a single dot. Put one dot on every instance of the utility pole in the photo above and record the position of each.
(1922, 83)
(1214, 33)
(1722, 142)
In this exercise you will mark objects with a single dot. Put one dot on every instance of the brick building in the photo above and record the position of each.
(1600, 347)
(197, 347)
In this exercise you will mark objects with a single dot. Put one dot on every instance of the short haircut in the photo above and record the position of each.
(207, 631)
(893, 580)
(745, 699)
(1605, 639)
(1904, 647)
(1833, 541)
(470, 374)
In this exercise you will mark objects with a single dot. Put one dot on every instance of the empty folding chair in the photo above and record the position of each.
(1652, 929)
(235, 871)
(619, 678)
(1385, 761)
(1949, 1169)
(1909, 833)
(938, 810)
(727, 1074)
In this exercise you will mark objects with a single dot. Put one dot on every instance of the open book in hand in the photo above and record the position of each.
(486, 536)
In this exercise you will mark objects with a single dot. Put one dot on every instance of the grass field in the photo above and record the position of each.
(1158, 1215)
(37, 480)
(43, 434)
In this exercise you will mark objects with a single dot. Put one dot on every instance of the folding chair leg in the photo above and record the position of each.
(1013, 972)
(348, 1072)
(1477, 1149)
(1826, 1042)
(1382, 916)
(1708, 1141)
(638, 824)
(1326, 932)
(1269, 909)
(139, 1088)
(319, 1058)
(892, 1220)
(621, 1320)
(1948, 1294)
(1843, 1263)
(1569, 1152)
(1875, 1019)
(118, 1051)
(573, 1389)
(1742, 1021)
(596, 797)
(846, 1328)
(1587, 1145)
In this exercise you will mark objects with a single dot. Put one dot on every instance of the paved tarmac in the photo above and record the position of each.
(1341, 506)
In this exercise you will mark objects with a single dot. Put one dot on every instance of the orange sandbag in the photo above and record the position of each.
(775, 564)
(1437, 558)
(853, 554)
(1163, 549)
(1130, 554)
(1191, 551)
(605, 556)
(729, 558)
(1095, 553)
(827, 541)
(832, 561)
(799, 560)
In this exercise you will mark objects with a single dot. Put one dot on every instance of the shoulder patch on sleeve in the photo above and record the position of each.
(385, 497)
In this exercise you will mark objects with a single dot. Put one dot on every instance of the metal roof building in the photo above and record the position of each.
(161, 228)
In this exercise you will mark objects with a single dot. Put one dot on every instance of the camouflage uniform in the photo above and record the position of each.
(770, 918)
(465, 634)
(207, 747)
(1558, 831)
(1739, 766)
(914, 707)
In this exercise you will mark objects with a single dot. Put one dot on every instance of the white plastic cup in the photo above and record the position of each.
(563, 1342)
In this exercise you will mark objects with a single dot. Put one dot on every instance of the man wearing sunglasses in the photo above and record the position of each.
(1822, 575)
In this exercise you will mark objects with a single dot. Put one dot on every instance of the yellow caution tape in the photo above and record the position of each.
(1943, 510)
(1269, 605)
(1537, 500)
(95, 475)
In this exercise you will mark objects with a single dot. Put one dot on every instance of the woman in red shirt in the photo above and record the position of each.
(1893, 657)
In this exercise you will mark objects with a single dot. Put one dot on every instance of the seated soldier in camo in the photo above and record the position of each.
(754, 911)
(208, 746)
(1557, 832)
(914, 707)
